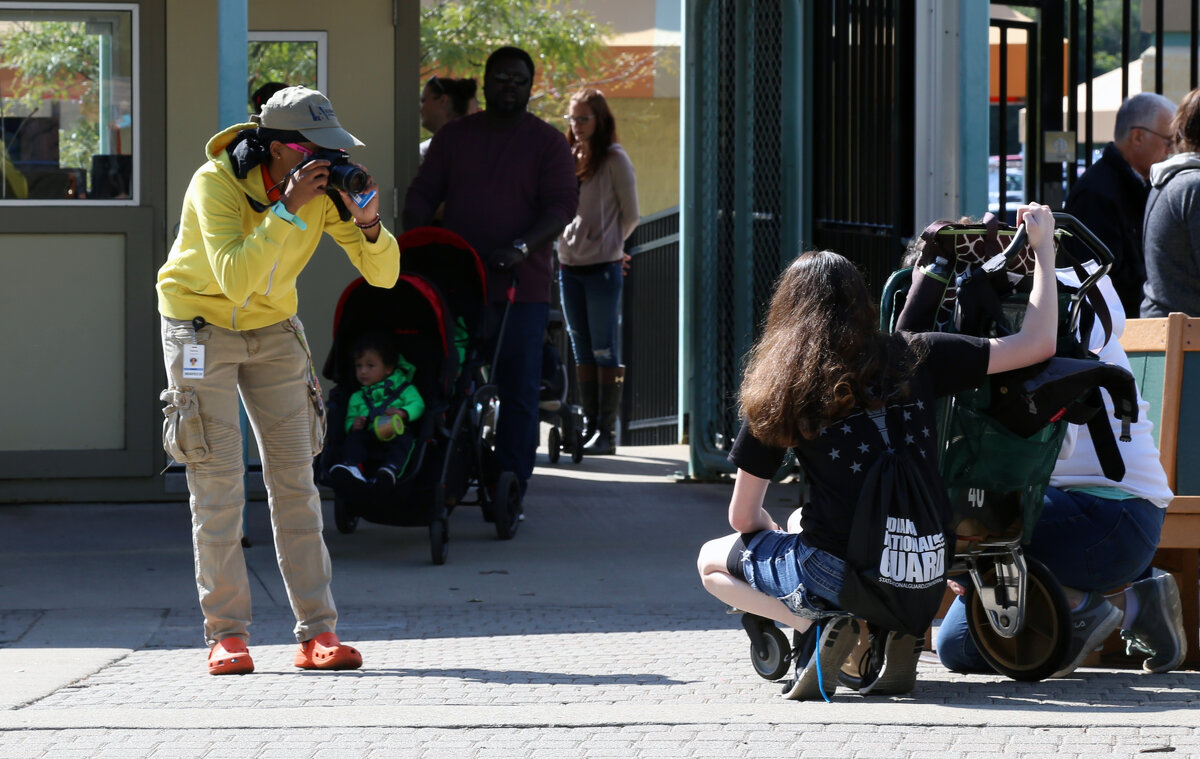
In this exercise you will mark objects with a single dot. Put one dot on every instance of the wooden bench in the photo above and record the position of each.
(1165, 357)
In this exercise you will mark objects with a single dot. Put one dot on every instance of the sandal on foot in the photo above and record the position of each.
(326, 652)
(230, 657)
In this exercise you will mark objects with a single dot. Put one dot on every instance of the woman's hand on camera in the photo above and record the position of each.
(366, 217)
(367, 213)
(306, 182)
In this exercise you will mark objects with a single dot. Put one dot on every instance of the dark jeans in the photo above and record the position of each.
(1087, 542)
(395, 452)
(518, 375)
(591, 301)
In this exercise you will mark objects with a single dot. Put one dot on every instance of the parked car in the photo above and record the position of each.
(1014, 189)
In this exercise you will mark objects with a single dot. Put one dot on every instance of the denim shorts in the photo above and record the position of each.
(807, 580)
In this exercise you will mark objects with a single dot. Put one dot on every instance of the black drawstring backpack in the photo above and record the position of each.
(900, 544)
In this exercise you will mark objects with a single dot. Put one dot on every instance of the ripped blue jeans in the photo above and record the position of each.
(591, 302)
(807, 580)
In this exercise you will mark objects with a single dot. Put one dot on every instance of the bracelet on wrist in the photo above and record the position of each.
(368, 226)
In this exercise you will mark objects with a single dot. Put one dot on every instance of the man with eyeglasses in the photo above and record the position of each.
(507, 179)
(1110, 197)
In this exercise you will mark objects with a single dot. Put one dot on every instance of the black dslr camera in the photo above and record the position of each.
(343, 175)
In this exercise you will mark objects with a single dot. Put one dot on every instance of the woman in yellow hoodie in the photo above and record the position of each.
(252, 217)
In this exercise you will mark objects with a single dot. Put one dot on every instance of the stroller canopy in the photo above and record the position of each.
(415, 312)
(451, 264)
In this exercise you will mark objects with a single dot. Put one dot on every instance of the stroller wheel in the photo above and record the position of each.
(1036, 652)
(769, 647)
(345, 519)
(577, 449)
(439, 538)
(553, 444)
(506, 509)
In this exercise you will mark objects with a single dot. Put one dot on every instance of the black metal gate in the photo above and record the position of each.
(863, 131)
(650, 333)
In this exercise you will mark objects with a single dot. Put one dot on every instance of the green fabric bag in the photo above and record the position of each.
(980, 453)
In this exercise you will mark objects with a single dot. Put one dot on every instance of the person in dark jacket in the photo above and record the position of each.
(1110, 197)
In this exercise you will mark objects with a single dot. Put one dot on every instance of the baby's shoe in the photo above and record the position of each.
(384, 481)
(347, 478)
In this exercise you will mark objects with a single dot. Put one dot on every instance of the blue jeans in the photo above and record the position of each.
(518, 373)
(807, 580)
(591, 303)
(1093, 543)
(1087, 542)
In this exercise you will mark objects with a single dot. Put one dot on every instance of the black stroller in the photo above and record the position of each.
(554, 407)
(453, 451)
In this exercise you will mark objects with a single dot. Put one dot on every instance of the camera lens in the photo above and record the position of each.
(348, 177)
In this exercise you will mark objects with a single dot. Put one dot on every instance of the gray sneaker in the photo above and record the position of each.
(1158, 628)
(826, 652)
(1090, 626)
(886, 666)
(899, 672)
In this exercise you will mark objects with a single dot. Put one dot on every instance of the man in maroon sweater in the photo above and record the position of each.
(508, 181)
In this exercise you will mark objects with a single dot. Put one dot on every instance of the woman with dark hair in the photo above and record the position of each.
(443, 100)
(817, 381)
(591, 253)
(1171, 232)
(252, 218)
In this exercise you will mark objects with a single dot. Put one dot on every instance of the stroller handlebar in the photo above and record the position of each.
(1065, 221)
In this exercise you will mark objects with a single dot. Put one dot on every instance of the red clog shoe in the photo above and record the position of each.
(326, 652)
(230, 657)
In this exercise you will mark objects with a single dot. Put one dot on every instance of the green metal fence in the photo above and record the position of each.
(741, 216)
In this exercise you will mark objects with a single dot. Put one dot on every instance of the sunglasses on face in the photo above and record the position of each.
(578, 119)
(516, 80)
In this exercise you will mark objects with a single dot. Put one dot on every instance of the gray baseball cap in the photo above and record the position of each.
(299, 109)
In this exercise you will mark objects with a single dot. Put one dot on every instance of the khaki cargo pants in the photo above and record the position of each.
(270, 368)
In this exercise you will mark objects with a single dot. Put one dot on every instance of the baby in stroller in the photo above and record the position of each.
(376, 415)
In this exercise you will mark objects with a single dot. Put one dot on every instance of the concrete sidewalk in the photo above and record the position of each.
(587, 635)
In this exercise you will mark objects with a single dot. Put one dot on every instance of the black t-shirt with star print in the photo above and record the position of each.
(835, 462)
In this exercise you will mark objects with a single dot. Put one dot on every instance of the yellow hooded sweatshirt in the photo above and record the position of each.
(237, 267)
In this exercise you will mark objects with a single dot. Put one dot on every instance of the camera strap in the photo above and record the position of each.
(258, 207)
(343, 212)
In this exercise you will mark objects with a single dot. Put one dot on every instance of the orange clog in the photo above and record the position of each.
(230, 657)
(326, 652)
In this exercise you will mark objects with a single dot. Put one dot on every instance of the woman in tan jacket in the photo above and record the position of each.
(591, 255)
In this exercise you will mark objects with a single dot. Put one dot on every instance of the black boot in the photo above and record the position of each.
(612, 382)
(589, 398)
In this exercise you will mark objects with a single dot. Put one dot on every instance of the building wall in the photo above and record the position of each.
(649, 130)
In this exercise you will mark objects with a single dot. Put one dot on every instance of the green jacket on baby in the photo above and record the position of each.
(395, 391)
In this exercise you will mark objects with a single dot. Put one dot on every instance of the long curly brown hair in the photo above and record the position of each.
(820, 354)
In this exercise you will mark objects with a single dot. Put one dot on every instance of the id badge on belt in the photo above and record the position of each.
(193, 361)
(193, 353)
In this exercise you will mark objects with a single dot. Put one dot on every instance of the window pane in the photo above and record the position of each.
(66, 103)
(283, 62)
